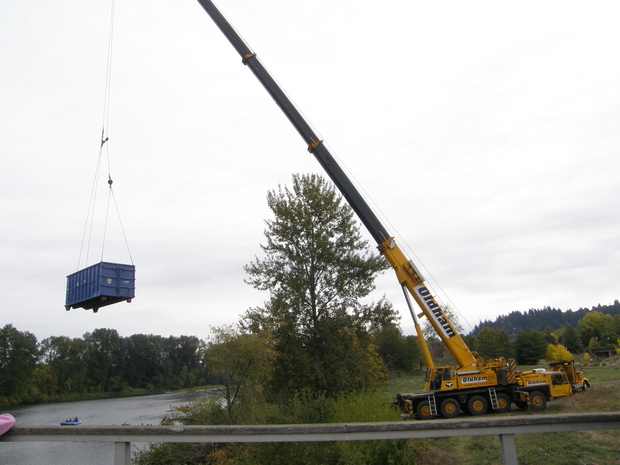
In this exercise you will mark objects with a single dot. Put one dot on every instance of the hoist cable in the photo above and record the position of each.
(88, 225)
(118, 214)
(108, 76)
(104, 139)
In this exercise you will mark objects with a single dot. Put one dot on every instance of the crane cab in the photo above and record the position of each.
(440, 379)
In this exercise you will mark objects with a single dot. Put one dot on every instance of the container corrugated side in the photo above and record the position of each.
(99, 285)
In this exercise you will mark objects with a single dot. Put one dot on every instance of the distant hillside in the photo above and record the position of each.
(539, 319)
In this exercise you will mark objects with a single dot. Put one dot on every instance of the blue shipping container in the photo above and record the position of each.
(100, 285)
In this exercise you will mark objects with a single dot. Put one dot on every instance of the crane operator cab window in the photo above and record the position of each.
(557, 380)
(438, 377)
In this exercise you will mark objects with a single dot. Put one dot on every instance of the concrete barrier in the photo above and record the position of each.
(492, 425)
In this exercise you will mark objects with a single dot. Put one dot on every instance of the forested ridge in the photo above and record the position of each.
(541, 319)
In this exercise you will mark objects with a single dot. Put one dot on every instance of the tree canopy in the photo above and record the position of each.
(530, 347)
(101, 361)
(317, 269)
(242, 362)
(604, 328)
(494, 343)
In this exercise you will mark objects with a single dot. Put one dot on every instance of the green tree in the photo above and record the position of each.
(571, 340)
(597, 325)
(243, 362)
(316, 268)
(471, 341)
(107, 359)
(530, 347)
(391, 347)
(494, 343)
(183, 361)
(19, 354)
(145, 357)
(609, 338)
(67, 361)
(414, 358)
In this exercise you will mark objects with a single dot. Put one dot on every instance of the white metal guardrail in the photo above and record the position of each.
(506, 427)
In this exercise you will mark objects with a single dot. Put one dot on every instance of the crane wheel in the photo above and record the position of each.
(538, 401)
(477, 405)
(503, 403)
(423, 411)
(450, 408)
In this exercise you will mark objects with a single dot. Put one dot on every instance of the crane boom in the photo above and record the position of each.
(315, 146)
(408, 275)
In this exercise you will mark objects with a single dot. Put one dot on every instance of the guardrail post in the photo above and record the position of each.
(509, 449)
(122, 453)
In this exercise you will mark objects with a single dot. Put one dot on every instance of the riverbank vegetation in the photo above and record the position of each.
(99, 364)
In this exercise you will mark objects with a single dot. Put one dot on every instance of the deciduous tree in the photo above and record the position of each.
(494, 343)
(557, 353)
(19, 355)
(599, 326)
(67, 360)
(571, 340)
(530, 347)
(316, 268)
(243, 362)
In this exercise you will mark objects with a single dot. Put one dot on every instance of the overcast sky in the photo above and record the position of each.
(487, 133)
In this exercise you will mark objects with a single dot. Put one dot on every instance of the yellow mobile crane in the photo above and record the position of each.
(474, 384)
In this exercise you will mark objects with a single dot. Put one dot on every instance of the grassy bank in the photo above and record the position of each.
(588, 447)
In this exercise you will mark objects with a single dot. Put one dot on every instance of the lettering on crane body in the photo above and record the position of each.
(474, 379)
(536, 383)
(435, 310)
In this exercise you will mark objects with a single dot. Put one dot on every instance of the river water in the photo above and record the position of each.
(133, 410)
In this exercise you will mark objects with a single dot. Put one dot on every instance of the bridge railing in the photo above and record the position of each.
(506, 427)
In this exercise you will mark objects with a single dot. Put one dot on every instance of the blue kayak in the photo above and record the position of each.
(70, 423)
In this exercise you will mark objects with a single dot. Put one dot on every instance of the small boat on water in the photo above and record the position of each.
(70, 422)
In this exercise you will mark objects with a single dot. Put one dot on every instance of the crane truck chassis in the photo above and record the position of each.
(447, 394)
(475, 384)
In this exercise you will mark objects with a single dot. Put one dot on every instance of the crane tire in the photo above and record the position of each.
(538, 401)
(503, 403)
(450, 408)
(477, 405)
(423, 411)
